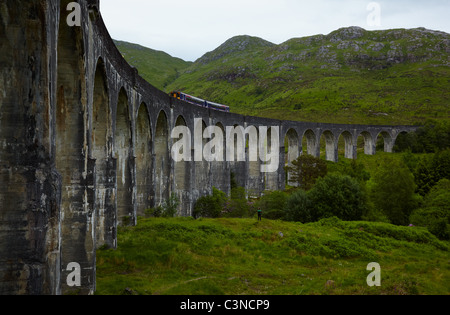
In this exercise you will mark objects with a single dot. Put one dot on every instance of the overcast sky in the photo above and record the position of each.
(190, 28)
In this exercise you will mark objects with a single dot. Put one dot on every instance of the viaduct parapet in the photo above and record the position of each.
(86, 146)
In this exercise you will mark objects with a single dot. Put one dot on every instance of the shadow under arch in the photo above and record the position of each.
(144, 161)
(182, 173)
(220, 168)
(101, 148)
(405, 141)
(310, 143)
(162, 159)
(384, 142)
(292, 145)
(202, 168)
(349, 147)
(123, 149)
(330, 144)
(366, 140)
(72, 158)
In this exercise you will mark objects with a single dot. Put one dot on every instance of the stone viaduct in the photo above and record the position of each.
(86, 146)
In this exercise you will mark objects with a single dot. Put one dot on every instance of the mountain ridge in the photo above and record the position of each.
(397, 76)
(235, 44)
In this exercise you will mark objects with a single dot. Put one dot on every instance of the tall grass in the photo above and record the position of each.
(183, 256)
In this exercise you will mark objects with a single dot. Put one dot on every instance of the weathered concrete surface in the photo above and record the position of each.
(29, 184)
(86, 146)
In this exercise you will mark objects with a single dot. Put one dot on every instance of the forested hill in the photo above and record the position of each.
(351, 75)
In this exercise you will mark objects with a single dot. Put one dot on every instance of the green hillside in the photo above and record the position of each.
(349, 76)
(156, 67)
(399, 76)
(183, 256)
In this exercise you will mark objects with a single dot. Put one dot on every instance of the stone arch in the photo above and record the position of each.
(349, 147)
(272, 179)
(101, 148)
(144, 161)
(235, 145)
(77, 230)
(202, 167)
(402, 141)
(123, 151)
(310, 142)
(365, 138)
(254, 180)
(292, 144)
(162, 159)
(182, 175)
(220, 170)
(384, 142)
(329, 141)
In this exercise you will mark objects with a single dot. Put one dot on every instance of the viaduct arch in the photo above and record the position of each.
(86, 146)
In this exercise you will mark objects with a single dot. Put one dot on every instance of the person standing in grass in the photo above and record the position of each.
(259, 214)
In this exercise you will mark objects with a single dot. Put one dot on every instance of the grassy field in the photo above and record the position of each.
(183, 256)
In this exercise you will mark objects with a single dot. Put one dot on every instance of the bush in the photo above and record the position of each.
(375, 215)
(435, 213)
(299, 208)
(393, 191)
(440, 228)
(210, 206)
(167, 210)
(430, 170)
(433, 137)
(333, 196)
(339, 196)
(237, 206)
(170, 206)
(273, 204)
(352, 168)
(306, 170)
(154, 212)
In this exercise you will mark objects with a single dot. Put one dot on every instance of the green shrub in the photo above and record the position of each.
(393, 191)
(305, 171)
(167, 210)
(299, 208)
(440, 228)
(170, 206)
(432, 137)
(339, 196)
(430, 170)
(156, 212)
(210, 206)
(334, 195)
(273, 205)
(237, 206)
(435, 213)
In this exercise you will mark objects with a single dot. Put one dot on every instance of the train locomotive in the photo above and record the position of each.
(198, 101)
